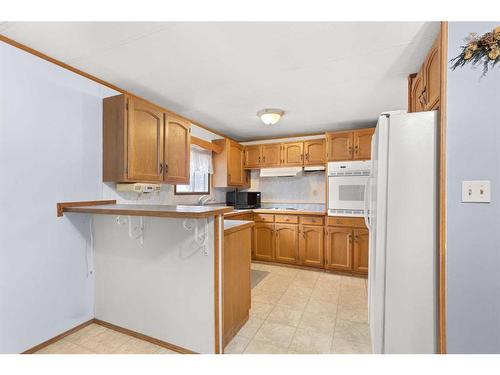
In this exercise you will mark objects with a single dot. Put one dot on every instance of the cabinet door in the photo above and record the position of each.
(252, 156)
(417, 99)
(236, 282)
(271, 155)
(339, 248)
(263, 241)
(246, 180)
(432, 76)
(360, 253)
(287, 245)
(292, 154)
(311, 247)
(144, 142)
(339, 146)
(235, 175)
(314, 152)
(177, 150)
(363, 143)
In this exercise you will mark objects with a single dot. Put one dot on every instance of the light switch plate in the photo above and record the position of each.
(476, 192)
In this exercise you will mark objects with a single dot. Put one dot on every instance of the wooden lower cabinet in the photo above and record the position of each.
(338, 248)
(346, 249)
(311, 249)
(360, 251)
(332, 243)
(236, 286)
(263, 241)
(287, 240)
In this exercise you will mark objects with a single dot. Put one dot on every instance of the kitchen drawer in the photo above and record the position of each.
(290, 219)
(312, 220)
(266, 218)
(244, 216)
(340, 221)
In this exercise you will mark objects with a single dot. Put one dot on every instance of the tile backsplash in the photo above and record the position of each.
(305, 188)
(165, 196)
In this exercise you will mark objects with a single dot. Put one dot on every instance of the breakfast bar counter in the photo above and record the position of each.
(152, 210)
(156, 269)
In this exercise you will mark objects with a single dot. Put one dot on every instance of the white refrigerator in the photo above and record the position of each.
(401, 214)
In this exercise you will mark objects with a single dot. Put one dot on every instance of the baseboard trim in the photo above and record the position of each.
(58, 337)
(141, 336)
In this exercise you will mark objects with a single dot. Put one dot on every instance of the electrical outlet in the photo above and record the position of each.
(476, 192)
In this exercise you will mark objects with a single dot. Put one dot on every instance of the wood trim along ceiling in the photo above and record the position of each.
(442, 190)
(43, 56)
(210, 146)
(61, 206)
(278, 137)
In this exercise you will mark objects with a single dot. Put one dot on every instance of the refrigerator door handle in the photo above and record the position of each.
(367, 201)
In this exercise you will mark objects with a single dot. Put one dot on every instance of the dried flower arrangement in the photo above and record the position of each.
(483, 50)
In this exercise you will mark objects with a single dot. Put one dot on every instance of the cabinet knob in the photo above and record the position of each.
(161, 168)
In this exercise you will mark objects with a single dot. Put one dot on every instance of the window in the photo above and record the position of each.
(199, 179)
(199, 183)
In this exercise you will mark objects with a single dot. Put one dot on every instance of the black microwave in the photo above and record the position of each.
(243, 199)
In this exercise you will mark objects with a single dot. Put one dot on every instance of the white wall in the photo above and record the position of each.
(50, 151)
(473, 236)
(163, 288)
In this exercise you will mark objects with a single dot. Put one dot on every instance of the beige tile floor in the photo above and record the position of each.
(96, 339)
(293, 311)
(306, 312)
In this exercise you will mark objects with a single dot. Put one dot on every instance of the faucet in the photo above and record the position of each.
(204, 199)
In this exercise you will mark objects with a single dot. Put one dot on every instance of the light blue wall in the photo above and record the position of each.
(473, 230)
(50, 151)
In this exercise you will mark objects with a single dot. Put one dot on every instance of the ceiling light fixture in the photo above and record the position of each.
(270, 116)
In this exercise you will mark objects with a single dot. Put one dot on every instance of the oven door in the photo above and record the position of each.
(346, 195)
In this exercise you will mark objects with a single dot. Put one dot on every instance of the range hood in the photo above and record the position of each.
(314, 168)
(280, 172)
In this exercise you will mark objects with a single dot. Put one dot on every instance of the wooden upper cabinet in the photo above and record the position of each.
(132, 140)
(236, 175)
(292, 154)
(338, 249)
(424, 87)
(228, 164)
(286, 249)
(360, 251)
(339, 145)
(263, 241)
(253, 156)
(144, 141)
(311, 240)
(271, 155)
(363, 143)
(177, 150)
(432, 77)
(416, 100)
(314, 152)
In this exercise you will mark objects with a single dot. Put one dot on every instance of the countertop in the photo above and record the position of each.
(274, 211)
(236, 225)
(155, 210)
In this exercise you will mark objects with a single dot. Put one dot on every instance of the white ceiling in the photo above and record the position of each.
(323, 75)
